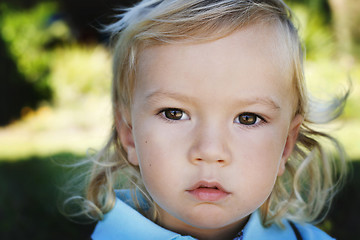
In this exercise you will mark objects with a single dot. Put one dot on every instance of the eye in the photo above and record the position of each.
(174, 114)
(248, 119)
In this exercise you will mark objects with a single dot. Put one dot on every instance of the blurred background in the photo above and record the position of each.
(55, 73)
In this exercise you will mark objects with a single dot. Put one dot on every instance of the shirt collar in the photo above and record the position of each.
(124, 222)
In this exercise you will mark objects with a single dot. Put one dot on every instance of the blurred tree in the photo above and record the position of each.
(314, 22)
(342, 17)
(346, 21)
(15, 91)
(85, 16)
(30, 31)
(318, 7)
(24, 58)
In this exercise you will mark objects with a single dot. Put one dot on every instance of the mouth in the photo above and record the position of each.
(208, 191)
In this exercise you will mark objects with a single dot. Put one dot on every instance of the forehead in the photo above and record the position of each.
(254, 54)
(268, 38)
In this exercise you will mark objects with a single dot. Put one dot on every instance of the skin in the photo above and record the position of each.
(208, 86)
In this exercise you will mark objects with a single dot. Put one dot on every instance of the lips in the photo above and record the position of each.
(208, 191)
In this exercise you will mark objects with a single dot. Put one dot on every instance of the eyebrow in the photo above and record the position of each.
(158, 95)
(265, 101)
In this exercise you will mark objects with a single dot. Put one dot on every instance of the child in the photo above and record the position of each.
(212, 127)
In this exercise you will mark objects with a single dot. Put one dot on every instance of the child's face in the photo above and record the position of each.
(212, 127)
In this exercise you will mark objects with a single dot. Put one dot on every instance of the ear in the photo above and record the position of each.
(125, 133)
(290, 141)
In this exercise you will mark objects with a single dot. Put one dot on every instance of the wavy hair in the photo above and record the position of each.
(312, 175)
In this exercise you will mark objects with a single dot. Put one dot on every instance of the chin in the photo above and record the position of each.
(210, 224)
(209, 220)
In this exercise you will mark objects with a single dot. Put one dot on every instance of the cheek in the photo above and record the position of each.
(151, 168)
(259, 161)
(259, 175)
(158, 159)
(159, 144)
(262, 149)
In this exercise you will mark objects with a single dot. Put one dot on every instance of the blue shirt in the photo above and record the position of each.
(124, 222)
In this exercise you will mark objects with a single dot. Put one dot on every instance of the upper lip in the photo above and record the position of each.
(206, 184)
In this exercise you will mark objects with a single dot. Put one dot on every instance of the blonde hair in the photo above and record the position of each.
(311, 176)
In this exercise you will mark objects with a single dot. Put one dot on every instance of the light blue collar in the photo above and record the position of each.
(124, 222)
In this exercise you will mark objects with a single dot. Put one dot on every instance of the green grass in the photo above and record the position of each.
(29, 195)
(343, 220)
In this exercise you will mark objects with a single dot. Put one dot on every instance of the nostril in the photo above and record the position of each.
(199, 160)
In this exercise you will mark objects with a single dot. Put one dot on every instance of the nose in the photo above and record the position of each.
(210, 144)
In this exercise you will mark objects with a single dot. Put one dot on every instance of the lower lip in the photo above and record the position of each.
(208, 194)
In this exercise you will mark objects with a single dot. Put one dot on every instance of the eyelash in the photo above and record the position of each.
(163, 114)
(259, 120)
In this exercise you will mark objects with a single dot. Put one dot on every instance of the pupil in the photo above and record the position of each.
(173, 114)
(247, 119)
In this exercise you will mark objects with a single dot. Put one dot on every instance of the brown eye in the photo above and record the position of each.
(247, 119)
(173, 114)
